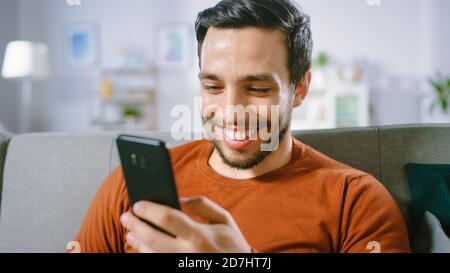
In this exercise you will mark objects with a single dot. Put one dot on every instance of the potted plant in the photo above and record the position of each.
(321, 61)
(131, 114)
(319, 65)
(441, 88)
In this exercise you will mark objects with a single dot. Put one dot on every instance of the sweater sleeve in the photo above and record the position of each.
(371, 221)
(101, 230)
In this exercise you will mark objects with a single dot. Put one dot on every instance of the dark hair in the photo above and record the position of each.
(273, 14)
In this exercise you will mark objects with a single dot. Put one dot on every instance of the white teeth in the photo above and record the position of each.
(240, 135)
(253, 134)
(229, 134)
(235, 135)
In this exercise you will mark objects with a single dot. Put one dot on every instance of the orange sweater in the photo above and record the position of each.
(312, 204)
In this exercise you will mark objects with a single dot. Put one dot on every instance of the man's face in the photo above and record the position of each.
(244, 68)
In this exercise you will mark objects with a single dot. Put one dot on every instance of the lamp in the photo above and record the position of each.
(25, 61)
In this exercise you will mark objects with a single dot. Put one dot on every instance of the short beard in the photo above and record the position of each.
(285, 124)
(253, 161)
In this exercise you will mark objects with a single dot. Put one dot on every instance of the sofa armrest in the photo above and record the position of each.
(4, 140)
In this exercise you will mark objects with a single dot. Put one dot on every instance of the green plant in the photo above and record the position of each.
(321, 60)
(441, 86)
(131, 111)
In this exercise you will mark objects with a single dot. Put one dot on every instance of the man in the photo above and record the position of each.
(236, 196)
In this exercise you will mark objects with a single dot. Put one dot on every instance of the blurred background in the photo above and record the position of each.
(84, 65)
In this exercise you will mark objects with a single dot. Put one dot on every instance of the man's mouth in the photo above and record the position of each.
(237, 139)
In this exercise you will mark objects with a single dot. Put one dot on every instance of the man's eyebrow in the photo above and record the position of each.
(258, 78)
(208, 76)
(245, 78)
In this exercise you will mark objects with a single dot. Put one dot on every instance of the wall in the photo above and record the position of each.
(404, 38)
(62, 102)
(439, 35)
(9, 95)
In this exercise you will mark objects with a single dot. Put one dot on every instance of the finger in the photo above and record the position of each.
(146, 236)
(169, 219)
(207, 209)
(134, 243)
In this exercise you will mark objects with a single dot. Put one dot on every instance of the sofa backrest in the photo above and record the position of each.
(49, 182)
(49, 179)
(384, 151)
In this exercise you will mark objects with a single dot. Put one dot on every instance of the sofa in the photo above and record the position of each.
(47, 180)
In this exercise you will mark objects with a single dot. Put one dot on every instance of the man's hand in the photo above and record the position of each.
(220, 234)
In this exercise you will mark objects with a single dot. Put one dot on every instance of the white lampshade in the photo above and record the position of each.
(25, 59)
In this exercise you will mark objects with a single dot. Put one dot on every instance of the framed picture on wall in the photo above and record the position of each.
(173, 46)
(81, 45)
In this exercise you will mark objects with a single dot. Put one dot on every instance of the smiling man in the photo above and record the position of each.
(237, 196)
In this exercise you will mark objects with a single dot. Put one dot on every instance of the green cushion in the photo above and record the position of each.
(429, 186)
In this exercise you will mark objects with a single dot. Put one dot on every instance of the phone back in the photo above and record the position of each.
(147, 170)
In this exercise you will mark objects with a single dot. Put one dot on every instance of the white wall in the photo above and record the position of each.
(407, 39)
(8, 90)
(62, 103)
(439, 35)
(386, 34)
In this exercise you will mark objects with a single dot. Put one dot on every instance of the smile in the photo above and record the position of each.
(235, 138)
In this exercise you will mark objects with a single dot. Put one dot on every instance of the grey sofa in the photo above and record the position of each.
(49, 179)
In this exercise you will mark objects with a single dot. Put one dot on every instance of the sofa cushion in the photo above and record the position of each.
(347, 145)
(431, 237)
(49, 180)
(410, 143)
(430, 191)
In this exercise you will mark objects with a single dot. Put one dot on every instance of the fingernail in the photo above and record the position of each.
(137, 206)
(184, 200)
(125, 218)
(130, 239)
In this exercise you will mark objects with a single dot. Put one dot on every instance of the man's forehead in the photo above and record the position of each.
(246, 38)
(245, 49)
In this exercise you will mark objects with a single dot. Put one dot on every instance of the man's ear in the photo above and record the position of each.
(302, 88)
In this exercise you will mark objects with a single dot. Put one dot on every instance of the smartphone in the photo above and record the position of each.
(147, 169)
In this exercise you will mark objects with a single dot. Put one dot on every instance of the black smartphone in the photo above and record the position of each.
(147, 170)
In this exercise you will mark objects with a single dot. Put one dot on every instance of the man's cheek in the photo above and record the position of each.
(210, 110)
(270, 129)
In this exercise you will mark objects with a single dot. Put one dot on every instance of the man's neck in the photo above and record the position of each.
(273, 161)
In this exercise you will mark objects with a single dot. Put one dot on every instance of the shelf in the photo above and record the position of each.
(340, 105)
(123, 89)
(134, 98)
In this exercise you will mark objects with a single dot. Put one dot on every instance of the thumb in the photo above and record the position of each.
(207, 209)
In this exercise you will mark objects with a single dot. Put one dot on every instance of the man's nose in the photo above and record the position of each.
(233, 97)
(234, 107)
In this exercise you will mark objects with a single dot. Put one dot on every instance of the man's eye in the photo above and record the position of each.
(212, 87)
(259, 90)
